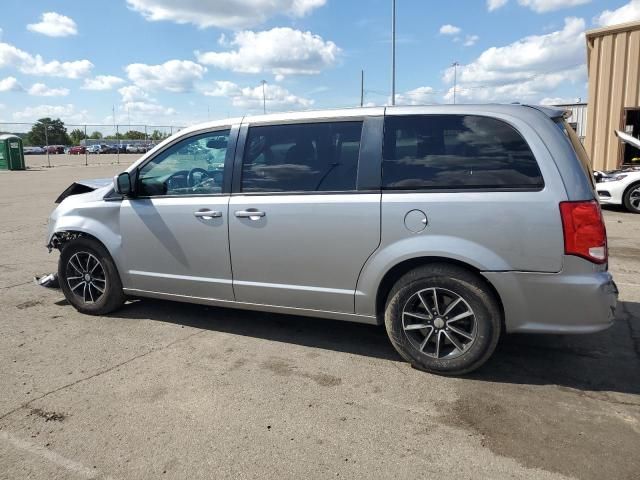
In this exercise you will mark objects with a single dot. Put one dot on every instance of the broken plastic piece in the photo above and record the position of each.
(48, 281)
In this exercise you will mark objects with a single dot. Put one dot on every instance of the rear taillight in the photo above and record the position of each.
(584, 230)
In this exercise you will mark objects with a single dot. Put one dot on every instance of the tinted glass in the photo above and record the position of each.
(454, 152)
(308, 157)
(192, 166)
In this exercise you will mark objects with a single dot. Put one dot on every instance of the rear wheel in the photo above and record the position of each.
(89, 278)
(631, 198)
(443, 319)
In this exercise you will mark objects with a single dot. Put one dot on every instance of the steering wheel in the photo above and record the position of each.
(191, 181)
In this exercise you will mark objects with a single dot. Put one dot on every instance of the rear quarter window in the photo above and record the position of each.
(456, 152)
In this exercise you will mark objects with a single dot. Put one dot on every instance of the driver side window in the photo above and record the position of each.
(193, 166)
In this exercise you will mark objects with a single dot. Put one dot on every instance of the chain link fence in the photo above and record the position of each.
(55, 143)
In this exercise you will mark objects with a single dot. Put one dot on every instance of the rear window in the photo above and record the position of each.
(456, 152)
(577, 146)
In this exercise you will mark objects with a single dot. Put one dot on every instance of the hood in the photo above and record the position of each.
(84, 186)
(626, 138)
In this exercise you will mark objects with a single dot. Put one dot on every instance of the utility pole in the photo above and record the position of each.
(455, 66)
(393, 52)
(362, 88)
(264, 97)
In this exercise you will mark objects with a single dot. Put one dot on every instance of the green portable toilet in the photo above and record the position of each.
(11, 153)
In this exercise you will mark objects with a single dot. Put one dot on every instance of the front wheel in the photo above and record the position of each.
(89, 278)
(631, 198)
(443, 319)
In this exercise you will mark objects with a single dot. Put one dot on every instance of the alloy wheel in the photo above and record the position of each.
(634, 198)
(439, 323)
(86, 277)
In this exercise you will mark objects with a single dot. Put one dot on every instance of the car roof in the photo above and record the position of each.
(518, 110)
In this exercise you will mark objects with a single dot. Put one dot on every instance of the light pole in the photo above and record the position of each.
(264, 97)
(361, 88)
(393, 52)
(46, 140)
(455, 66)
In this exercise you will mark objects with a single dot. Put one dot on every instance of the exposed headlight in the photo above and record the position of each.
(615, 178)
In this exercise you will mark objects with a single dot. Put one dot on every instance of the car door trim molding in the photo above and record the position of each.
(346, 316)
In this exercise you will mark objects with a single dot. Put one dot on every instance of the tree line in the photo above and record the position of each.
(55, 133)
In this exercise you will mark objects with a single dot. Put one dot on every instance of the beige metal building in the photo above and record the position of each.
(613, 61)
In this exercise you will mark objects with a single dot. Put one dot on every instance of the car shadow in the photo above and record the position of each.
(605, 361)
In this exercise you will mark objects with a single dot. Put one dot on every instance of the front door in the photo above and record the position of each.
(300, 231)
(174, 232)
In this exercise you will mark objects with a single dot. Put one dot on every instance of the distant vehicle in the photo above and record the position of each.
(447, 224)
(34, 151)
(131, 148)
(94, 149)
(77, 150)
(108, 149)
(55, 149)
(620, 187)
(120, 148)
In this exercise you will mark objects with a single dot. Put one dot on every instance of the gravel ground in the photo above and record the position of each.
(162, 389)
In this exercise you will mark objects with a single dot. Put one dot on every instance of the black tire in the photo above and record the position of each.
(111, 299)
(449, 282)
(633, 189)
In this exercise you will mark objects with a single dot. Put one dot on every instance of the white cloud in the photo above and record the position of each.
(543, 6)
(133, 93)
(173, 76)
(102, 82)
(250, 98)
(558, 100)
(10, 84)
(280, 51)
(141, 106)
(146, 110)
(41, 90)
(11, 56)
(627, 13)
(54, 24)
(470, 40)
(527, 69)
(449, 29)
(495, 4)
(66, 113)
(417, 96)
(222, 13)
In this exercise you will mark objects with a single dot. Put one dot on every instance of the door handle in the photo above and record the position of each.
(207, 214)
(251, 214)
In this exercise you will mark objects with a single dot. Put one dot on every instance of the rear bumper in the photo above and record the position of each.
(577, 300)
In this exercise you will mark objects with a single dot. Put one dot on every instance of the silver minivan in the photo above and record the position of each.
(448, 224)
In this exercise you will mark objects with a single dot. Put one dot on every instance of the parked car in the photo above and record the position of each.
(94, 149)
(132, 148)
(77, 150)
(622, 186)
(108, 149)
(54, 149)
(447, 224)
(33, 150)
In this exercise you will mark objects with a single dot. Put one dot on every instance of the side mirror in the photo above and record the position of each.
(122, 184)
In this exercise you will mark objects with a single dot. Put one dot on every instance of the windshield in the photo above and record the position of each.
(581, 153)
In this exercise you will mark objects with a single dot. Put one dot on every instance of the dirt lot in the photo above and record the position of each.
(161, 389)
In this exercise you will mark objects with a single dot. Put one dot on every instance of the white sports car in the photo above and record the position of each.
(621, 187)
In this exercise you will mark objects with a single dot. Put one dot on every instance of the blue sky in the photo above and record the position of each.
(176, 62)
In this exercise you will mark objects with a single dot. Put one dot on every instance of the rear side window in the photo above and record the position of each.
(456, 152)
(312, 157)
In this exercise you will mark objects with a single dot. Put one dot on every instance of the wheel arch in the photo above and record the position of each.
(62, 237)
(393, 274)
(633, 184)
